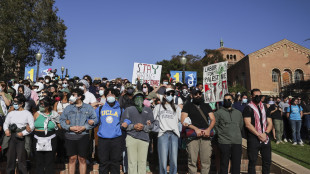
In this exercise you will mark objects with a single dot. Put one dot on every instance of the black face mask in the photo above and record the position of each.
(197, 100)
(257, 99)
(227, 103)
(130, 91)
(277, 103)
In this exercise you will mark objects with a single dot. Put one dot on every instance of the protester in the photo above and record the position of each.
(295, 113)
(15, 132)
(229, 124)
(276, 115)
(203, 121)
(45, 124)
(109, 133)
(169, 115)
(137, 120)
(5, 100)
(77, 119)
(259, 125)
(241, 103)
(287, 132)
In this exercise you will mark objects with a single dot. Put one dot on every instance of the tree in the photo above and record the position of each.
(194, 62)
(27, 26)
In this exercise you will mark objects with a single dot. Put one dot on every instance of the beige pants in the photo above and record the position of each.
(203, 147)
(137, 155)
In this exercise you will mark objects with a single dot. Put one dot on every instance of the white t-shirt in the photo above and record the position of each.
(89, 98)
(20, 118)
(168, 119)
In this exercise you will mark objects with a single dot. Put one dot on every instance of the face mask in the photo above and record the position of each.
(287, 101)
(277, 103)
(257, 99)
(130, 91)
(57, 98)
(16, 106)
(47, 81)
(139, 103)
(244, 100)
(165, 83)
(144, 90)
(41, 108)
(227, 103)
(271, 102)
(59, 82)
(101, 92)
(111, 99)
(81, 88)
(197, 100)
(169, 98)
(64, 85)
(72, 99)
(114, 87)
(0, 89)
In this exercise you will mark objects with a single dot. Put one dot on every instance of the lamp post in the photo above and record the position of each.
(183, 61)
(38, 57)
(62, 72)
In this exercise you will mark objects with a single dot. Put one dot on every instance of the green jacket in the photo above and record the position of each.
(228, 126)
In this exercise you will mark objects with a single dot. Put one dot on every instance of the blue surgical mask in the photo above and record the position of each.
(169, 98)
(245, 100)
(111, 99)
(16, 106)
(165, 83)
(64, 85)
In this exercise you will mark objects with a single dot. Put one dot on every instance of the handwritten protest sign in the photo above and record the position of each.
(215, 82)
(148, 73)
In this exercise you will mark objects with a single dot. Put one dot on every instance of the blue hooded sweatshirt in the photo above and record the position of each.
(109, 120)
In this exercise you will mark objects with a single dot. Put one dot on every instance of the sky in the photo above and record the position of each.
(105, 37)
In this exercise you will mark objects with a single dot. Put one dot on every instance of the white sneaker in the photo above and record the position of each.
(285, 140)
(301, 143)
(289, 140)
(282, 142)
(278, 142)
(294, 144)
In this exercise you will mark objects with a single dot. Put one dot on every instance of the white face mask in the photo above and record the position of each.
(81, 88)
(47, 81)
(101, 92)
(72, 99)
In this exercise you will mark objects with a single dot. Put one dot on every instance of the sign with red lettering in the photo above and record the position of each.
(148, 73)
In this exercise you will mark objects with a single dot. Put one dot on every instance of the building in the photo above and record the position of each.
(271, 68)
(231, 55)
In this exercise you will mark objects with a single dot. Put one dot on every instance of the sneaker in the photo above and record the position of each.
(278, 142)
(282, 142)
(285, 140)
(301, 143)
(294, 144)
(289, 140)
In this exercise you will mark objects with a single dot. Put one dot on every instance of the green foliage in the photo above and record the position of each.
(25, 27)
(237, 88)
(194, 62)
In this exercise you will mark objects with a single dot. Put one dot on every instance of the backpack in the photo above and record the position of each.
(298, 108)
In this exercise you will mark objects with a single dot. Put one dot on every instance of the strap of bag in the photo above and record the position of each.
(203, 115)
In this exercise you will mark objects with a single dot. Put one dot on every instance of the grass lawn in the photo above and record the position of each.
(298, 154)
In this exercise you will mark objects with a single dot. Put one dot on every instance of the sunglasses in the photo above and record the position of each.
(170, 93)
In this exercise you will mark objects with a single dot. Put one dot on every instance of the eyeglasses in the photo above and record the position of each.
(170, 93)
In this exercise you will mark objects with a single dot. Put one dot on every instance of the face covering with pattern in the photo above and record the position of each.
(139, 103)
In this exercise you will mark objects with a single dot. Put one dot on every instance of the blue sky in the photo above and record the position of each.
(105, 37)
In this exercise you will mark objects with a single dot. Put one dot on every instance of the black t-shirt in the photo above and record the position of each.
(277, 114)
(248, 112)
(195, 116)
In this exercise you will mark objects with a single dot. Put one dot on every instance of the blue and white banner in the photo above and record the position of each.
(190, 77)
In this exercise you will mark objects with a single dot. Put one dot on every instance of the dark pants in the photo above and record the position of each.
(233, 152)
(109, 152)
(45, 159)
(254, 146)
(287, 131)
(16, 148)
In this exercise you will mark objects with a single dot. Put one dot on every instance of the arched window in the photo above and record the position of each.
(287, 77)
(235, 58)
(298, 75)
(230, 57)
(227, 56)
(275, 75)
(243, 79)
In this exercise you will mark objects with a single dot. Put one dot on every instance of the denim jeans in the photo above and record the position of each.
(168, 145)
(296, 126)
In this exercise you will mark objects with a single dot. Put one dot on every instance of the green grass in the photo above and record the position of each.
(298, 154)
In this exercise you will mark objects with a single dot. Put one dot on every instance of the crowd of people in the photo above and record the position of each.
(118, 124)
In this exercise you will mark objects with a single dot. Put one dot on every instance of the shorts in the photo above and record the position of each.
(78, 147)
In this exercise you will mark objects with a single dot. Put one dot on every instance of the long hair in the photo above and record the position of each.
(171, 104)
